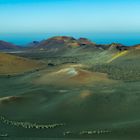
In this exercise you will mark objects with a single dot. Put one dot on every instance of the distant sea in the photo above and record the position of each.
(99, 38)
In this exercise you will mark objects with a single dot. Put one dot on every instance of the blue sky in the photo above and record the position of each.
(69, 16)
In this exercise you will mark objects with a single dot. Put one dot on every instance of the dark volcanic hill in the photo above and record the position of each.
(5, 46)
(61, 42)
(65, 42)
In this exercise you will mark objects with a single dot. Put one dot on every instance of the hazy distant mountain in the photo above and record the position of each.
(7, 46)
(64, 43)
(32, 44)
(61, 42)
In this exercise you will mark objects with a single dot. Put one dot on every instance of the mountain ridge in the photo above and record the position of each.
(8, 46)
(65, 42)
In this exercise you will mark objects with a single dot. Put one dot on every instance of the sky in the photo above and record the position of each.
(27, 19)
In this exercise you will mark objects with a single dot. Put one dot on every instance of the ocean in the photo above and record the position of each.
(127, 39)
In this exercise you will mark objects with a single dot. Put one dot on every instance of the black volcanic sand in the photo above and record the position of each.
(113, 108)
